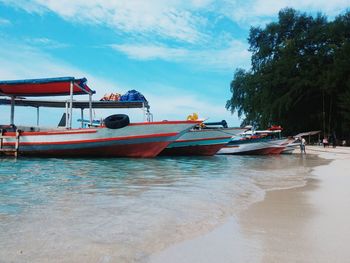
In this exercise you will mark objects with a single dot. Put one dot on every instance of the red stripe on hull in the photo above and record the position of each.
(204, 139)
(203, 150)
(143, 150)
(276, 150)
(93, 140)
(252, 152)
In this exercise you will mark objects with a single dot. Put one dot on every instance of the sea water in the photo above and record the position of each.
(122, 210)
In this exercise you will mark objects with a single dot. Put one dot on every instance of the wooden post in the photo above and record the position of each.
(12, 116)
(71, 105)
(1, 139)
(67, 114)
(148, 115)
(144, 112)
(90, 108)
(82, 117)
(17, 143)
(37, 116)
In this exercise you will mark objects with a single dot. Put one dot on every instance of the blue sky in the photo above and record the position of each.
(181, 54)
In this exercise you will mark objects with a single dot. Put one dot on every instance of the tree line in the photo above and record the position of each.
(299, 76)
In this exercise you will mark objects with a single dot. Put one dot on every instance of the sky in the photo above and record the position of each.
(180, 54)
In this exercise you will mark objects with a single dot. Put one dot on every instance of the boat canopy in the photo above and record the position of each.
(44, 87)
(17, 90)
(310, 133)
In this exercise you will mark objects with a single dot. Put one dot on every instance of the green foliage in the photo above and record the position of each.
(299, 77)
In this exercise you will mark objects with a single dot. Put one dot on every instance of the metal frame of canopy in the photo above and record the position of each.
(81, 105)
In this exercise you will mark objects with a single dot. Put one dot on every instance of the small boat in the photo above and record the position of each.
(113, 138)
(201, 141)
(256, 143)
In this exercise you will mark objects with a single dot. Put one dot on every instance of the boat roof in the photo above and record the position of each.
(250, 132)
(44, 87)
(310, 133)
(76, 104)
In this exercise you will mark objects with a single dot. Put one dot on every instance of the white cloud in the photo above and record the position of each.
(183, 20)
(259, 12)
(235, 54)
(171, 19)
(149, 52)
(4, 22)
(44, 42)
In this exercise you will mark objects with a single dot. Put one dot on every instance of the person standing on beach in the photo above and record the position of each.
(325, 142)
(334, 139)
(302, 145)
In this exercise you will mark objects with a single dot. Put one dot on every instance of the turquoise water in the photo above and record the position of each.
(121, 210)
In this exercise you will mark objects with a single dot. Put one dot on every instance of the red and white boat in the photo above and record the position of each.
(145, 139)
(204, 142)
(257, 143)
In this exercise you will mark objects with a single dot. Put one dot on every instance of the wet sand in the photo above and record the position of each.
(304, 224)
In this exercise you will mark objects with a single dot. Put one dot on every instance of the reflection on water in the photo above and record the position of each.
(120, 210)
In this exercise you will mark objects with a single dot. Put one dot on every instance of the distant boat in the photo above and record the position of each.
(256, 143)
(205, 142)
(114, 138)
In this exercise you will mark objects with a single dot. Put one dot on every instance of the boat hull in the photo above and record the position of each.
(290, 148)
(134, 150)
(204, 142)
(200, 150)
(255, 147)
(134, 140)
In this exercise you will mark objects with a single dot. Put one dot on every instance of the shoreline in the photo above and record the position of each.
(300, 224)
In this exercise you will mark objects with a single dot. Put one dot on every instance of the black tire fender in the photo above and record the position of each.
(117, 121)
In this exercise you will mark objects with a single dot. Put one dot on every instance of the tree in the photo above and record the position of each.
(299, 76)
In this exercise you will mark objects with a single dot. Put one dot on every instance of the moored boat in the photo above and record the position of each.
(145, 139)
(204, 142)
(256, 143)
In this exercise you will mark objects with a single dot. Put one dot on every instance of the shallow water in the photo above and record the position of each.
(122, 210)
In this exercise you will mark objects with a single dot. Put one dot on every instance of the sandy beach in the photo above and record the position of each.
(303, 224)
